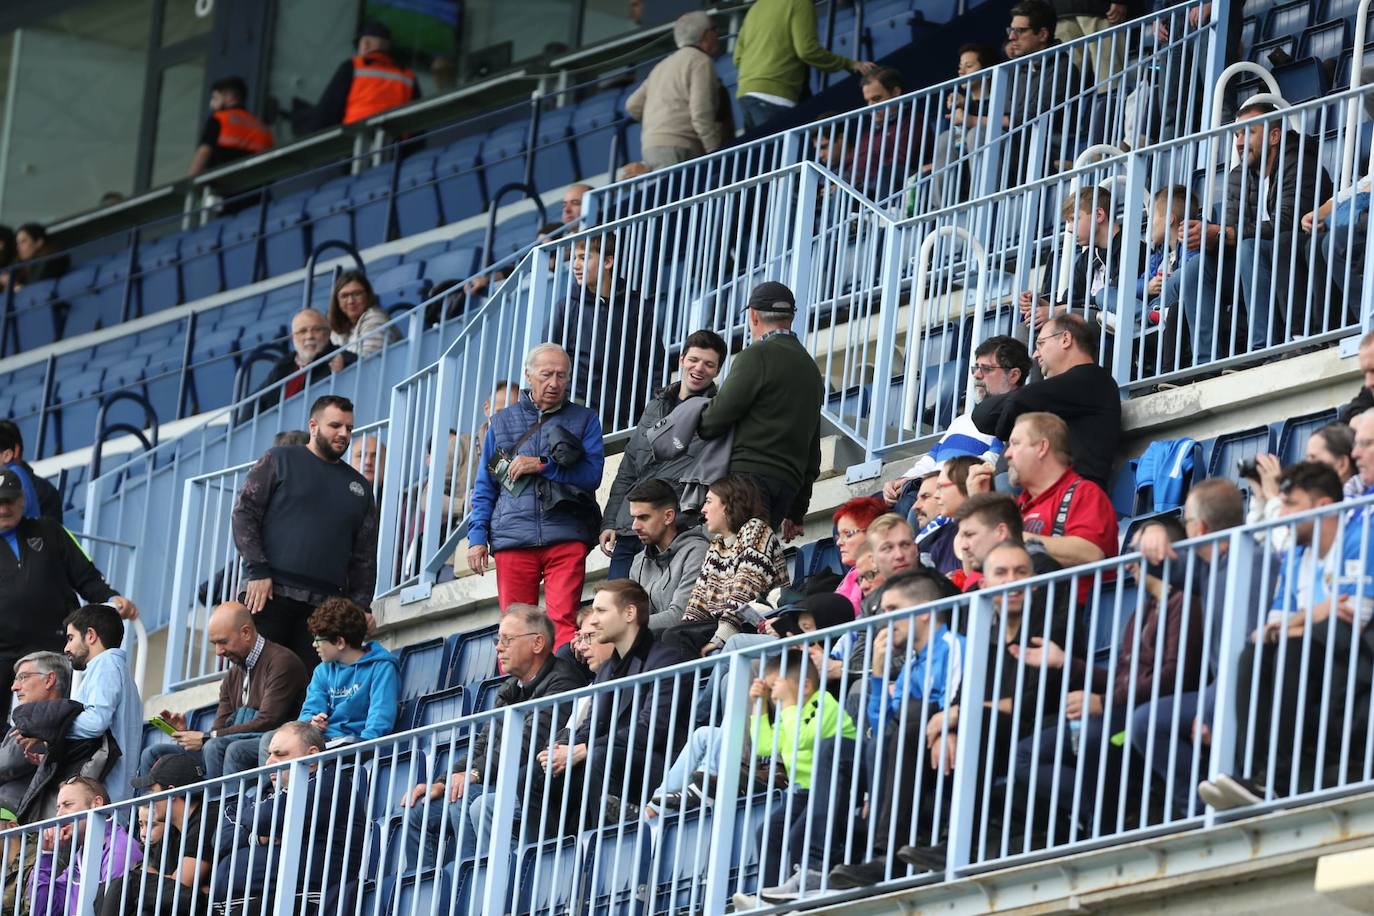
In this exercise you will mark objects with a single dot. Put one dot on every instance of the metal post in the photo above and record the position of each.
(735, 715)
(49, 378)
(990, 180)
(1241, 556)
(506, 790)
(91, 854)
(447, 384)
(1354, 108)
(801, 243)
(1123, 296)
(126, 304)
(532, 138)
(970, 737)
(188, 545)
(11, 325)
(393, 490)
(888, 307)
(185, 386)
(288, 866)
(1216, 69)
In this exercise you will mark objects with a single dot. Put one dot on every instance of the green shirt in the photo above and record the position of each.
(775, 45)
(821, 716)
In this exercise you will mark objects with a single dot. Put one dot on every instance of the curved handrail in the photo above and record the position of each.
(347, 248)
(531, 192)
(980, 257)
(1224, 81)
(102, 430)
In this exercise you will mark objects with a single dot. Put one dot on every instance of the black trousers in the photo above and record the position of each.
(283, 621)
(777, 497)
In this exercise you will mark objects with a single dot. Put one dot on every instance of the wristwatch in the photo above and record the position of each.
(474, 775)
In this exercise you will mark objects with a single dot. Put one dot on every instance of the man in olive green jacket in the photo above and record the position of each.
(772, 399)
(775, 45)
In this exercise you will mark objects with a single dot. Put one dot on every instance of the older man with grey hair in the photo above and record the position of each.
(681, 104)
(534, 509)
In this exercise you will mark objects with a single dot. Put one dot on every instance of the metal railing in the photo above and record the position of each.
(1016, 122)
(1105, 696)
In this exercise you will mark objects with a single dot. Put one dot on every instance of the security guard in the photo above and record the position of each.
(231, 132)
(42, 570)
(364, 85)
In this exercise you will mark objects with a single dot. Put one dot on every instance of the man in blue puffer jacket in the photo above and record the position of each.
(534, 509)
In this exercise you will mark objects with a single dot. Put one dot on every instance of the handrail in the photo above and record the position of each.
(1224, 82)
(309, 284)
(103, 431)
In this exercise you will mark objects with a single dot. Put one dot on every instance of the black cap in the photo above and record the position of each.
(827, 608)
(374, 29)
(174, 771)
(10, 485)
(772, 297)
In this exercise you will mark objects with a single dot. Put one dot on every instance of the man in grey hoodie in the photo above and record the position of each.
(668, 567)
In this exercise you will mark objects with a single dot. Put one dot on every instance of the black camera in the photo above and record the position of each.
(1247, 469)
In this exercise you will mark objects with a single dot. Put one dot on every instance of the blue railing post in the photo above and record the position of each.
(178, 622)
(393, 488)
(735, 717)
(288, 866)
(802, 242)
(11, 324)
(126, 304)
(1241, 555)
(541, 288)
(45, 408)
(532, 138)
(91, 854)
(393, 230)
(888, 302)
(993, 143)
(185, 384)
(1222, 11)
(506, 790)
(967, 772)
(447, 384)
(1123, 298)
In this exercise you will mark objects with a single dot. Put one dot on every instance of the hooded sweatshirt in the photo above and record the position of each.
(669, 576)
(360, 699)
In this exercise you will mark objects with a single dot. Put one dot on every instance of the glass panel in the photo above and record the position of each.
(64, 145)
(498, 33)
(310, 38)
(181, 110)
(604, 19)
(183, 19)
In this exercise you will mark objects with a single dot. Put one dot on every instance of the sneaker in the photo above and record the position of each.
(791, 889)
(614, 811)
(861, 874)
(1108, 321)
(1227, 792)
(746, 902)
(923, 858)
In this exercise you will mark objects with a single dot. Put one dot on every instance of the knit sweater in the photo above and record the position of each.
(677, 103)
(776, 43)
(736, 571)
(772, 399)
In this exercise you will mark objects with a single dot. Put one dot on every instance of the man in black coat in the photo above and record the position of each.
(618, 751)
(525, 650)
(309, 344)
(12, 457)
(42, 572)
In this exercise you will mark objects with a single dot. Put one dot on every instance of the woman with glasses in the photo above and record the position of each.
(851, 525)
(354, 314)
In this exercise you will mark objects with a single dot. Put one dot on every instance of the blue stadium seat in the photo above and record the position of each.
(36, 314)
(330, 213)
(394, 277)
(159, 280)
(451, 265)
(239, 314)
(1302, 80)
(422, 667)
(554, 157)
(503, 158)
(1117, 602)
(457, 170)
(1328, 10)
(1249, 28)
(1230, 448)
(368, 196)
(681, 855)
(427, 893)
(545, 876)
(1295, 431)
(201, 272)
(1261, 51)
(485, 694)
(942, 393)
(440, 706)
(424, 252)
(71, 288)
(1256, 8)
(1288, 19)
(417, 197)
(286, 234)
(617, 865)
(813, 558)
(515, 233)
(393, 775)
(1326, 41)
(596, 123)
(201, 718)
(473, 657)
(238, 248)
(79, 399)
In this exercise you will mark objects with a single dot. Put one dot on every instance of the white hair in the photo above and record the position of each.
(690, 27)
(546, 348)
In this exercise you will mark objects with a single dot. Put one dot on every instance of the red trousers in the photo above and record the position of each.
(563, 570)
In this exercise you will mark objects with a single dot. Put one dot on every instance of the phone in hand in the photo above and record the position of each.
(162, 725)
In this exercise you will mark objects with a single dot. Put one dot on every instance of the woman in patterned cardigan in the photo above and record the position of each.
(743, 564)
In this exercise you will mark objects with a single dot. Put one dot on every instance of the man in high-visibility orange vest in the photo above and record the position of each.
(366, 84)
(230, 132)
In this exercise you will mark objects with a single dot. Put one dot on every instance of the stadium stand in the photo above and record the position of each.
(905, 256)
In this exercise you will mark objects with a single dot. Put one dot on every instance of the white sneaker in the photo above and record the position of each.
(1108, 321)
(791, 889)
(746, 902)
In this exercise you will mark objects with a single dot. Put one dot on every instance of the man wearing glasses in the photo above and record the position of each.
(463, 804)
(309, 344)
(1075, 389)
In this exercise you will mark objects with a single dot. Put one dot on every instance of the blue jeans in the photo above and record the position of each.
(757, 113)
(700, 753)
(1179, 757)
(627, 547)
(246, 752)
(469, 829)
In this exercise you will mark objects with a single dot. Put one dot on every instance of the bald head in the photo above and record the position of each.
(572, 202)
(232, 632)
(1363, 427)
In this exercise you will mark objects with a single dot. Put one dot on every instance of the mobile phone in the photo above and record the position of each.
(162, 725)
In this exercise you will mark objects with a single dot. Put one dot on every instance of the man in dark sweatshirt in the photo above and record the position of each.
(1075, 388)
(306, 528)
(772, 399)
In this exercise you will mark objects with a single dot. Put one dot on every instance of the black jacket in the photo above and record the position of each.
(49, 500)
(282, 369)
(558, 675)
(637, 745)
(49, 721)
(39, 588)
(639, 464)
(1362, 401)
(1301, 187)
(1085, 397)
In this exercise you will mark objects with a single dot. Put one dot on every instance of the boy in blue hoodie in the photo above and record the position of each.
(355, 690)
